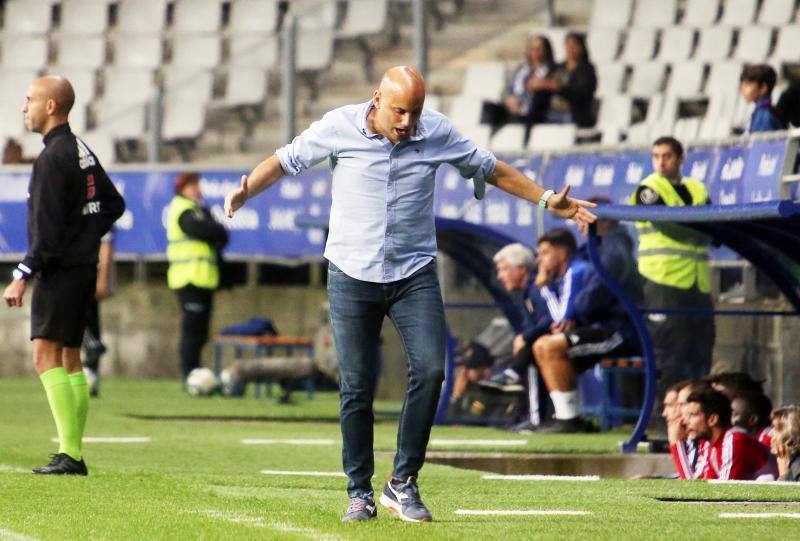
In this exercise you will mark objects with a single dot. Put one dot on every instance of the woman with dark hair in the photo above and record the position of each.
(573, 86)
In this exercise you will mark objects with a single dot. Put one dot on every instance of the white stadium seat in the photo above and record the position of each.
(647, 79)
(611, 13)
(686, 130)
(13, 124)
(364, 17)
(84, 17)
(315, 14)
(655, 105)
(686, 79)
(754, 44)
(786, 48)
(102, 144)
(478, 134)
(78, 115)
(26, 17)
(655, 13)
(677, 43)
(253, 50)
(552, 137)
(603, 44)
(23, 52)
(123, 121)
(714, 44)
(128, 85)
(31, 144)
(669, 110)
(609, 79)
(15, 84)
(739, 12)
(640, 45)
(196, 51)
(183, 119)
(138, 51)
(314, 49)
(724, 78)
(777, 12)
(245, 86)
(615, 111)
(465, 111)
(639, 134)
(83, 80)
(196, 16)
(510, 138)
(700, 13)
(484, 80)
(137, 17)
(81, 51)
(660, 129)
(253, 16)
(187, 83)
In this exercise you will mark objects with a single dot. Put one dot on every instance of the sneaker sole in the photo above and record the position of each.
(396, 510)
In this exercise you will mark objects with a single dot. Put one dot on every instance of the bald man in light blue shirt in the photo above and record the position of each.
(381, 253)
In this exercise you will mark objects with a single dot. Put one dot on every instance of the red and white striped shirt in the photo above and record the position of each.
(735, 455)
(684, 454)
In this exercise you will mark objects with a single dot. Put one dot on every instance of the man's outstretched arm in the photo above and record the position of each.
(510, 179)
(267, 173)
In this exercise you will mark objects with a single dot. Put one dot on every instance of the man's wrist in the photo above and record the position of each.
(22, 272)
(544, 198)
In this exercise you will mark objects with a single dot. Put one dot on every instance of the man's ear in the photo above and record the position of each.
(376, 98)
(50, 106)
(712, 420)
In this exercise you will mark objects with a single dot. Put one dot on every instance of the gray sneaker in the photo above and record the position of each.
(403, 499)
(360, 509)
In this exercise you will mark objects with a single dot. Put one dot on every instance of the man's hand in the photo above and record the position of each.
(676, 431)
(565, 207)
(236, 199)
(518, 344)
(14, 293)
(544, 276)
(562, 326)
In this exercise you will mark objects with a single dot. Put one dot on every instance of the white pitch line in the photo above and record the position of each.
(521, 512)
(103, 439)
(479, 443)
(256, 441)
(759, 515)
(305, 473)
(573, 478)
(5, 468)
(743, 482)
(8, 535)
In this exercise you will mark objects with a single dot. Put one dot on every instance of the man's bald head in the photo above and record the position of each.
(48, 103)
(398, 103)
(58, 89)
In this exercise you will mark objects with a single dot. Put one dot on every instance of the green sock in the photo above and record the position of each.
(80, 390)
(62, 404)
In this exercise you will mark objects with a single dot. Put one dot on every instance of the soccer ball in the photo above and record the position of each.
(202, 382)
(230, 386)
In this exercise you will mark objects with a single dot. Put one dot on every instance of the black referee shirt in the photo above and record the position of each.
(71, 204)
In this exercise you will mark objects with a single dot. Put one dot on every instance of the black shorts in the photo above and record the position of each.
(60, 301)
(590, 345)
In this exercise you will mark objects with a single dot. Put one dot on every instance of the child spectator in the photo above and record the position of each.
(756, 85)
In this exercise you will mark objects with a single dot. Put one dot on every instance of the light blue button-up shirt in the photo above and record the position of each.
(381, 222)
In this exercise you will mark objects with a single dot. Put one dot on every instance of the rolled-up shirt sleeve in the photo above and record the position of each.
(309, 148)
(470, 160)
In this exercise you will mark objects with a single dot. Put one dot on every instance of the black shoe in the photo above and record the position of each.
(63, 464)
(403, 499)
(576, 425)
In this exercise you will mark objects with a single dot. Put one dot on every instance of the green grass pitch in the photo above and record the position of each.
(196, 480)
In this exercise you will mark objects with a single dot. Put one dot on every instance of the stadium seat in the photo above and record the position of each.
(196, 51)
(478, 134)
(739, 12)
(687, 129)
(121, 120)
(196, 16)
(128, 85)
(245, 86)
(610, 135)
(754, 44)
(718, 119)
(677, 44)
(654, 107)
(686, 79)
(23, 52)
(700, 13)
(13, 124)
(714, 43)
(639, 134)
(83, 17)
(31, 144)
(314, 49)
(81, 51)
(14, 85)
(78, 115)
(253, 50)
(137, 51)
(364, 17)
(253, 16)
(668, 111)
(137, 17)
(552, 137)
(660, 129)
(786, 46)
(510, 138)
(603, 44)
(655, 13)
(611, 13)
(433, 102)
(615, 111)
(640, 45)
(183, 119)
(742, 112)
(465, 111)
(610, 78)
(484, 80)
(188, 83)
(647, 79)
(315, 14)
(26, 17)
(777, 12)
(724, 78)
(102, 144)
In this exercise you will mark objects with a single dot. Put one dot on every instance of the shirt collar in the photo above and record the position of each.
(61, 128)
(764, 102)
(363, 125)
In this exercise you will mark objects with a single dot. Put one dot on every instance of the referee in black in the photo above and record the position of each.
(71, 205)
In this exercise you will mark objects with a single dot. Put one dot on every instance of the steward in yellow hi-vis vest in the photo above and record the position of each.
(674, 263)
(194, 242)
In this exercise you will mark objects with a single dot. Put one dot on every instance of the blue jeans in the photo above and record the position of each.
(414, 305)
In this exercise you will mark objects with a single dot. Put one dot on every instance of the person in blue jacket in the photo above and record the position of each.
(756, 85)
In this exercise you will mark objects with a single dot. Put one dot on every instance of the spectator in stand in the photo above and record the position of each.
(573, 86)
(788, 107)
(726, 452)
(756, 85)
(751, 411)
(786, 442)
(12, 153)
(734, 384)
